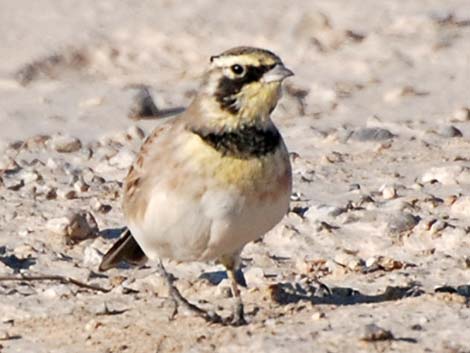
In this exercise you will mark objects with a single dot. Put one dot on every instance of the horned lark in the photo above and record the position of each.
(213, 179)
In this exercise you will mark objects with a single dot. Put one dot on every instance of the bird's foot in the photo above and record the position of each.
(238, 316)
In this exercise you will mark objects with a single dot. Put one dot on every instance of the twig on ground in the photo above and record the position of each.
(62, 279)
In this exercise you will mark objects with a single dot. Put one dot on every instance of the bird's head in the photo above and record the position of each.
(243, 85)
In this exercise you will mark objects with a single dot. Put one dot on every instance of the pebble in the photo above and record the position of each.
(86, 153)
(319, 212)
(50, 193)
(29, 176)
(67, 194)
(449, 131)
(384, 263)
(388, 192)
(371, 134)
(332, 158)
(82, 225)
(317, 315)
(254, 276)
(448, 175)
(136, 133)
(58, 225)
(396, 94)
(461, 115)
(438, 226)
(8, 164)
(25, 251)
(92, 325)
(123, 159)
(349, 261)
(11, 182)
(401, 222)
(60, 290)
(37, 141)
(65, 144)
(92, 256)
(101, 207)
(373, 333)
(461, 207)
(80, 186)
(75, 227)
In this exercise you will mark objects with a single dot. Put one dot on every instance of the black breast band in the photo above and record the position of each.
(245, 142)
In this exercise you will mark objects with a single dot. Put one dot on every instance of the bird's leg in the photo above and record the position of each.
(180, 300)
(238, 317)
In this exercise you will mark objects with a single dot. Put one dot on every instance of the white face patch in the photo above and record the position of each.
(228, 61)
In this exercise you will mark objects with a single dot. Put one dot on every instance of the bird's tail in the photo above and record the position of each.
(125, 249)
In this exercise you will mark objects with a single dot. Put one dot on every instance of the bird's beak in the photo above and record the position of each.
(277, 73)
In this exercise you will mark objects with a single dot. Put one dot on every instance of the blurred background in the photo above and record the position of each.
(71, 65)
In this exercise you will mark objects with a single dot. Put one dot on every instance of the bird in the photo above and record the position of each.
(212, 179)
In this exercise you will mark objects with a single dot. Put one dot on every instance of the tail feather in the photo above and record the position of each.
(124, 249)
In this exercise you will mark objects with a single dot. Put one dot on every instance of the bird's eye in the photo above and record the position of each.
(237, 69)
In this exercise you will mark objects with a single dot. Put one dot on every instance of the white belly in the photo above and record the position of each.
(221, 222)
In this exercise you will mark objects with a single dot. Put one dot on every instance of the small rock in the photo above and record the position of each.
(438, 226)
(388, 192)
(25, 251)
(356, 265)
(320, 212)
(461, 115)
(371, 134)
(396, 94)
(136, 133)
(143, 105)
(461, 207)
(82, 225)
(8, 164)
(37, 141)
(58, 225)
(373, 333)
(50, 193)
(401, 222)
(92, 256)
(254, 276)
(384, 263)
(449, 131)
(66, 144)
(60, 290)
(29, 176)
(12, 183)
(86, 153)
(75, 227)
(92, 325)
(67, 194)
(318, 315)
(80, 186)
(349, 261)
(123, 159)
(101, 207)
(448, 175)
(332, 158)
(51, 163)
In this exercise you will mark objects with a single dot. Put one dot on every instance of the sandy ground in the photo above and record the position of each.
(377, 120)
